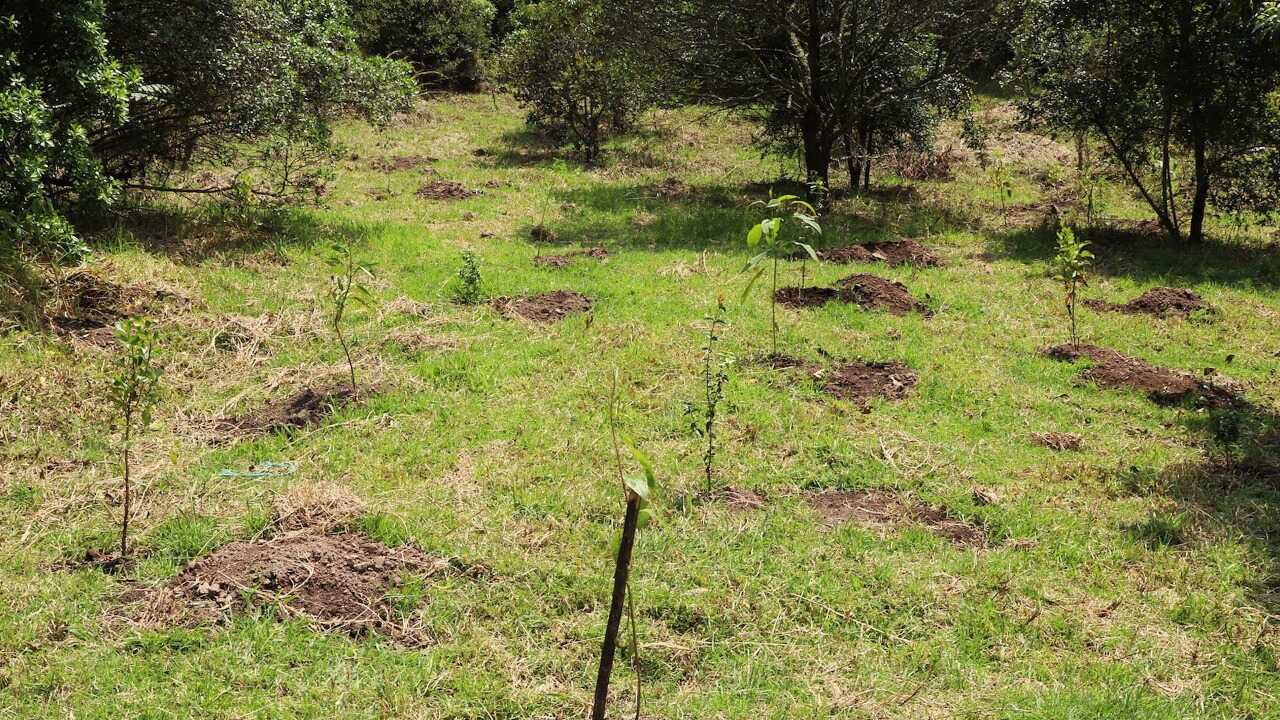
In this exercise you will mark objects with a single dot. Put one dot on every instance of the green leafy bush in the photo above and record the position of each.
(445, 40)
(48, 112)
(564, 65)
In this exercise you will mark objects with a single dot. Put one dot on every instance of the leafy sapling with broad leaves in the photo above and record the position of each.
(767, 237)
(1069, 267)
(345, 288)
(134, 391)
(638, 490)
(467, 288)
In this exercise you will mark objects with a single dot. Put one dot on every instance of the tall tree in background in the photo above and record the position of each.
(1157, 82)
(818, 74)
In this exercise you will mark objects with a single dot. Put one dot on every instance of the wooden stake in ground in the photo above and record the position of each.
(637, 489)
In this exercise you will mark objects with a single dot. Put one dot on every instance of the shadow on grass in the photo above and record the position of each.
(1147, 257)
(1232, 492)
(700, 217)
(216, 232)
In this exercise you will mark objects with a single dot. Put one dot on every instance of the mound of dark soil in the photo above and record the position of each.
(887, 509)
(553, 261)
(563, 261)
(673, 188)
(1115, 370)
(544, 308)
(306, 407)
(542, 234)
(89, 306)
(402, 162)
(876, 293)
(862, 382)
(338, 581)
(1058, 440)
(446, 190)
(897, 252)
(805, 297)
(1160, 301)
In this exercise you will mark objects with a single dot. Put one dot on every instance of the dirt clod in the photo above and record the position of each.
(339, 581)
(894, 252)
(542, 234)
(1115, 370)
(862, 382)
(876, 293)
(544, 308)
(563, 261)
(402, 162)
(1160, 301)
(806, 297)
(1059, 441)
(446, 190)
(885, 509)
(304, 408)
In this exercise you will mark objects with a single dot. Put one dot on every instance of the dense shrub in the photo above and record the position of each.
(443, 39)
(564, 64)
(95, 97)
(49, 113)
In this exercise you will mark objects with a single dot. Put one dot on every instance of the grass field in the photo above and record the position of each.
(1133, 578)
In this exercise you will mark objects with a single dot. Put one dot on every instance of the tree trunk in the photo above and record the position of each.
(1200, 203)
(621, 571)
(855, 166)
(817, 144)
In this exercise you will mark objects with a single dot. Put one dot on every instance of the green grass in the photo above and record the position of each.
(1120, 582)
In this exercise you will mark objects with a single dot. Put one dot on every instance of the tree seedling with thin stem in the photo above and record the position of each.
(638, 490)
(1069, 267)
(714, 375)
(467, 289)
(134, 391)
(345, 288)
(767, 237)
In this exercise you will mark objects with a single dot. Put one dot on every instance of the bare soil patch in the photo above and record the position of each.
(301, 409)
(672, 188)
(885, 509)
(874, 292)
(804, 297)
(542, 234)
(563, 261)
(87, 306)
(737, 498)
(446, 190)
(341, 582)
(544, 308)
(402, 162)
(895, 252)
(863, 382)
(1166, 387)
(1059, 441)
(1160, 301)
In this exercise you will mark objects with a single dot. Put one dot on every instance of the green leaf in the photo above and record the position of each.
(753, 235)
(639, 485)
(751, 283)
(809, 249)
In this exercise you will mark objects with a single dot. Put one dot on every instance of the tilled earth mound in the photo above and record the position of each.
(1115, 370)
(894, 252)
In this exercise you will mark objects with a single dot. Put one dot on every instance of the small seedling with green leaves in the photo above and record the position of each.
(638, 490)
(134, 391)
(1000, 175)
(715, 373)
(345, 288)
(767, 237)
(1069, 267)
(466, 285)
